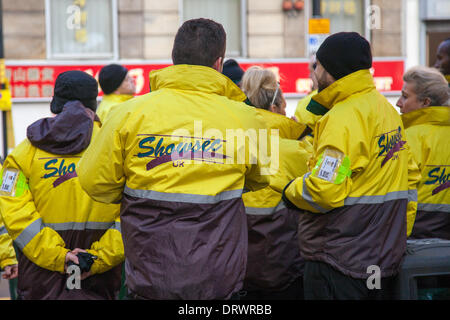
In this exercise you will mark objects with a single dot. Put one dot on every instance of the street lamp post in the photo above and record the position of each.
(316, 8)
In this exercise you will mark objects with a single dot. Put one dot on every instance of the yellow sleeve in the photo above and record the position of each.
(258, 148)
(294, 156)
(329, 182)
(100, 170)
(414, 177)
(7, 253)
(40, 244)
(109, 249)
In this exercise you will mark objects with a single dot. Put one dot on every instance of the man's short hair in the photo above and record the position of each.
(447, 45)
(199, 42)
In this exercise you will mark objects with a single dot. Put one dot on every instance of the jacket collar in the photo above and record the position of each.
(340, 90)
(447, 77)
(117, 97)
(439, 116)
(195, 78)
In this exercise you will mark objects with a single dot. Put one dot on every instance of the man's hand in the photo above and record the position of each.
(11, 272)
(74, 252)
(70, 257)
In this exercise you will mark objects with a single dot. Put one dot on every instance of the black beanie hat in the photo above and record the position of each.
(344, 53)
(111, 77)
(232, 70)
(74, 85)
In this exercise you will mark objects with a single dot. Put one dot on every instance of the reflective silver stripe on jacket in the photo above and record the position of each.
(116, 226)
(3, 230)
(265, 211)
(395, 195)
(183, 197)
(29, 233)
(308, 198)
(434, 207)
(65, 226)
(34, 228)
(412, 195)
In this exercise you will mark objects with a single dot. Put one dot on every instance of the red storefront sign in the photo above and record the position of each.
(37, 81)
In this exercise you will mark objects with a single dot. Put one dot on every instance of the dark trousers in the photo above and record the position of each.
(323, 282)
(293, 292)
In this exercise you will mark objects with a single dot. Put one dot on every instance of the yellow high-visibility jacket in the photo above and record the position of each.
(357, 188)
(274, 260)
(172, 159)
(428, 133)
(310, 119)
(7, 253)
(47, 214)
(109, 101)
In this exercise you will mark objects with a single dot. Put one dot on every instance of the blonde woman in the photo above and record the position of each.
(274, 267)
(424, 105)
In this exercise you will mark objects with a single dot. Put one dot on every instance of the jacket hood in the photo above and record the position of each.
(356, 82)
(195, 78)
(430, 115)
(69, 132)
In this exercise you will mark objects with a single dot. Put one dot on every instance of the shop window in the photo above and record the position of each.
(344, 15)
(81, 29)
(231, 14)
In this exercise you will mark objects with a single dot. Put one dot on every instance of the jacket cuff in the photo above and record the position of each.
(98, 266)
(286, 201)
(61, 260)
(7, 262)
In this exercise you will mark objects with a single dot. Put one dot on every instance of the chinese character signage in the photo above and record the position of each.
(37, 81)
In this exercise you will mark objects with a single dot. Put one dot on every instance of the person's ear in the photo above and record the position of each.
(218, 65)
(426, 102)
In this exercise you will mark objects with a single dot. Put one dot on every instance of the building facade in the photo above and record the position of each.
(44, 37)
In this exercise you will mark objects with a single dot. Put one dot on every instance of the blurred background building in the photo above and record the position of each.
(45, 37)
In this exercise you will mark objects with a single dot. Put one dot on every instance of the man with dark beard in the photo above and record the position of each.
(354, 197)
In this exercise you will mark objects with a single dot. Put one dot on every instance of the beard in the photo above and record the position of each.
(323, 82)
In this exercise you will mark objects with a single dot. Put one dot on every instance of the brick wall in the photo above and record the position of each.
(147, 29)
(131, 29)
(161, 22)
(388, 41)
(24, 29)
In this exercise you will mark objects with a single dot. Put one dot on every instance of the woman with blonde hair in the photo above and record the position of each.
(274, 265)
(424, 105)
(263, 91)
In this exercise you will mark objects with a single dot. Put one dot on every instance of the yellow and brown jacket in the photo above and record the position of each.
(163, 155)
(357, 189)
(47, 214)
(428, 132)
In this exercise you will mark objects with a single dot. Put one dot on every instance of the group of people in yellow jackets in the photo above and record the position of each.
(148, 189)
